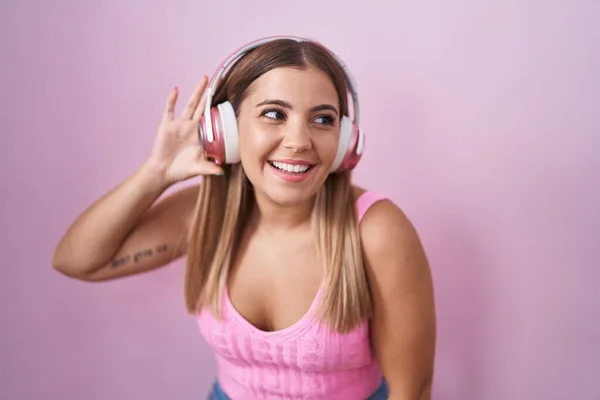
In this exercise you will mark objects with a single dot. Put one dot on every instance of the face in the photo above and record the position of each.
(288, 133)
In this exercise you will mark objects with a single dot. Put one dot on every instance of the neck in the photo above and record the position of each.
(270, 217)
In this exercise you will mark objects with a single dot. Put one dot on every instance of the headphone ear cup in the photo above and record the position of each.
(224, 148)
(231, 139)
(357, 144)
(343, 143)
(349, 146)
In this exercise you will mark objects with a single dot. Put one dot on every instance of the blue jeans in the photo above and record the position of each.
(217, 392)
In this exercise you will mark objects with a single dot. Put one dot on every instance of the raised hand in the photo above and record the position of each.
(177, 152)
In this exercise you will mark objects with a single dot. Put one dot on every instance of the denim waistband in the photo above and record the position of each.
(217, 392)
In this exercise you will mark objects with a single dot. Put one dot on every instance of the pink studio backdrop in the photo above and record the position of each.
(481, 124)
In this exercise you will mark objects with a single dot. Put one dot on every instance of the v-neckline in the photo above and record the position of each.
(298, 326)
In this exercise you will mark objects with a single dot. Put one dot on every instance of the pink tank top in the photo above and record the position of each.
(303, 361)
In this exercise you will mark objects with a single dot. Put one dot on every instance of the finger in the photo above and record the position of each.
(203, 166)
(207, 168)
(200, 109)
(188, 112)
(170, 106)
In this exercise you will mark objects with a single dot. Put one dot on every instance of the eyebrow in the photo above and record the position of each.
(287, 105)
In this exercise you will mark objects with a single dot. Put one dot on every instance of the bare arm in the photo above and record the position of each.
(125, 232)
(403, 327)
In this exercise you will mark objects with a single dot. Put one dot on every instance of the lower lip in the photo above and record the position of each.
(290, 177)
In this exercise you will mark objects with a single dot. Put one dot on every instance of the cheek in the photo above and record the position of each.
(327, 146)
(255, 143)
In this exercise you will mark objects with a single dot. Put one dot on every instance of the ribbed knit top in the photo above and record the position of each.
(303, 361)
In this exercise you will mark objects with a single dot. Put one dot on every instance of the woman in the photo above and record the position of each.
(304, 285)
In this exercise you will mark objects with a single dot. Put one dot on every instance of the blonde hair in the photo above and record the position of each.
(224, 205)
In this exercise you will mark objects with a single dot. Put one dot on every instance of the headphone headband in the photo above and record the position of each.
(210, 91)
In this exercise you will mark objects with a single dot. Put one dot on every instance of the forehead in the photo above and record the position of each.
(300, 87)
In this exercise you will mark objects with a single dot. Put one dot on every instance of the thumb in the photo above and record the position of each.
(204, 167)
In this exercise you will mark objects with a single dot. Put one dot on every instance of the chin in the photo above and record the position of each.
(286, 197)
(289, 188)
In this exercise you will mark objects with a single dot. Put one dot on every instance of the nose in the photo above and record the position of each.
(297, 137)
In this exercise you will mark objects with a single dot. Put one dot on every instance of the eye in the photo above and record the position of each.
(273, 114)
(325, 119)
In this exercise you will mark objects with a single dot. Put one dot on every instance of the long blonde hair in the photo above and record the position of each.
(224, 205)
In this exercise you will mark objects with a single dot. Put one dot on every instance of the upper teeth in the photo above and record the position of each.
(290, 167)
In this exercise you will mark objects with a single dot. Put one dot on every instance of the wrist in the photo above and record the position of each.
(153, 176)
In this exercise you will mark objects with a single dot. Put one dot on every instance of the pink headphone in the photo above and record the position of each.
(218, 129)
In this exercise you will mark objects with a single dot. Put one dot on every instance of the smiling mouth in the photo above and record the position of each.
(292, 169)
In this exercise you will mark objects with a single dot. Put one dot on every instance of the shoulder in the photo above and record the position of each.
(390, 241)
(378, 215)
(384, 223)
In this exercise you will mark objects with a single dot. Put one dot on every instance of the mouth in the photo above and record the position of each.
(291, 169)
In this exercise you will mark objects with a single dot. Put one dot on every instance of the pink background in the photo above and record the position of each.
(480, 121)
